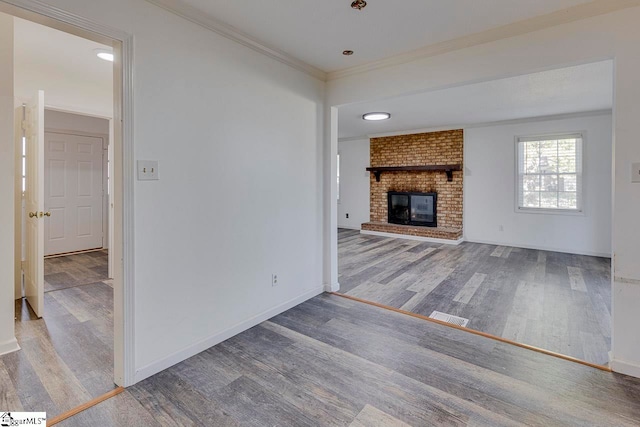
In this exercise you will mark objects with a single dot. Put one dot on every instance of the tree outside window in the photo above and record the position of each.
(550, 173)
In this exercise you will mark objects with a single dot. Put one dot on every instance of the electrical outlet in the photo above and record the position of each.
(347, 215)
(500, 228)
(274, 280)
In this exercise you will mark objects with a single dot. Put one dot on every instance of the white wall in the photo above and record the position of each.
(614, 35)
(354, 183)
(238, 137)
(59, 120)
(7, 214)
(490, 188)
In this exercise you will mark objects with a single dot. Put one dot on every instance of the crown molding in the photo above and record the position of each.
(548, 118)
(563, 16)
(197, 16)
(353, 138)
(54, 17)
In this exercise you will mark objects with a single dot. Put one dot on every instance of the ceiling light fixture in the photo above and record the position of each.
(347, 52)
(105, 54)
(376, 116)
(358, 4)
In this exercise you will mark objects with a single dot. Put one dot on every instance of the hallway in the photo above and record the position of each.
(66, 358)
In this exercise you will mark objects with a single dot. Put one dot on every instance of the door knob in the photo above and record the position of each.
(47, 213)
(33, 214)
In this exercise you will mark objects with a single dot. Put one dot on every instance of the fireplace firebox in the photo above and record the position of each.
(409, 208)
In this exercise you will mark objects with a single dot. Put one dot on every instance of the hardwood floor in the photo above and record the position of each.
(66, 358)
(556, 301)
(73, 270)
(336, 362)
(328, 361)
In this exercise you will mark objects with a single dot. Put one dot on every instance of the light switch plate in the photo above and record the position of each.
(635, 172)
(147, 170)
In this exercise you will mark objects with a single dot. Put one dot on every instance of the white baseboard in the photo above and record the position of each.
(9, 346)
(625, 368)
(540, 248)
(349, 227)
(179, 356)
(408, 237)
(332, 287)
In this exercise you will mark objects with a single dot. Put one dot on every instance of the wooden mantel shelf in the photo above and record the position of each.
(448, 169)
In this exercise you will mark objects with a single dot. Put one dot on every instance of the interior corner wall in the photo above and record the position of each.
(7, 181)
(354, 183)
(490, 214)
(238, 137)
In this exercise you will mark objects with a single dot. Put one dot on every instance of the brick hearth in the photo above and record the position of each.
(412, 230)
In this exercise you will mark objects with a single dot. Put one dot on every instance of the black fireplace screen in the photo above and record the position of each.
(410, 208)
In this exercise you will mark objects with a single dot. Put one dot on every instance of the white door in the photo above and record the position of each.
(73, 193)
(33, 267)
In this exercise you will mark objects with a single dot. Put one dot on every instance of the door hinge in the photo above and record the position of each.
(24, 125)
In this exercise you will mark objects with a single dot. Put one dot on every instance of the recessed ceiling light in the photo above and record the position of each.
(105, 54)
(347, 52)
(358, 4)
(376, 116)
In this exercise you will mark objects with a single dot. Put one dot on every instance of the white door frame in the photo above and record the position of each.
(123, 248)
(331, 283)
(109, 211)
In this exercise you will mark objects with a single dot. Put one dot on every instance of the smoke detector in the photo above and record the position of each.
(358, 4)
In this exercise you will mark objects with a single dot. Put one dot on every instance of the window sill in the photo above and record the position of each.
(546, 211)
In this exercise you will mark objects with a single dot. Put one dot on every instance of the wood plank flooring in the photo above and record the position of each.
(66, 358)
(73, 270)
(336, 362)
(329, 361)
(555, 301)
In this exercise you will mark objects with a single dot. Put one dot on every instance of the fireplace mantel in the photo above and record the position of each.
(448, 169)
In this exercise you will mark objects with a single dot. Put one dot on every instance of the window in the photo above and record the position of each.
(24, 164)
(550, 173)
(338, 168)
(24, 152)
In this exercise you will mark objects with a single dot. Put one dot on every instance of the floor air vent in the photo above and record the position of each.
(448, 318)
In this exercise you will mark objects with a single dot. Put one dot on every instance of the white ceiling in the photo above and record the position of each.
(44, 54)
(64, 66)
(317, 31)
(38, 45)
(581, 88)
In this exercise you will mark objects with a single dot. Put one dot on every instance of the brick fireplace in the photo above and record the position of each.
(431, 150)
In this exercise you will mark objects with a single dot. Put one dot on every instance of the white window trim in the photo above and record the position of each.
(550, 211)
(338, 184)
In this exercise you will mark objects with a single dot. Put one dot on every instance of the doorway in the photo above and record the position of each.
(76, 177)
(120, 360)
(64, 313)
(532, 269)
